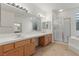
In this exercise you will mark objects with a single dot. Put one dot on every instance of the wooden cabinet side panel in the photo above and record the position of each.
(42, 41)
(32, 49)
(1, 51)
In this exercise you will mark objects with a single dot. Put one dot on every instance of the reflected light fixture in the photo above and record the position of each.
(61, 10)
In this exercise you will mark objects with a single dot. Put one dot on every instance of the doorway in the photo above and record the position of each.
(62, 29)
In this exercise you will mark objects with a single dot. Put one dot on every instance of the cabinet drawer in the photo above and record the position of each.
(32, 40)
(27, 42)
(19, 43)
(8, 47)
(11, 53)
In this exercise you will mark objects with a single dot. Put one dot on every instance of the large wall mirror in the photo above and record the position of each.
(6, 16)
(36, 23)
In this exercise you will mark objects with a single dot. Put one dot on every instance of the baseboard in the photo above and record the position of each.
(59, 42)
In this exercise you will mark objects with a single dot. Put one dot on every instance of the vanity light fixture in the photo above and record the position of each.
(30, 12)
(41, 15)
(17, 6)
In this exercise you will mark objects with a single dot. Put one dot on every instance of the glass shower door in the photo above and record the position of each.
(57, 30)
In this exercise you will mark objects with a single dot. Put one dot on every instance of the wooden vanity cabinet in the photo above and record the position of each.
(45, 40)
(24, 47)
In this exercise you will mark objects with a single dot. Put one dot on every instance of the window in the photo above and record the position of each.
(77, 25)
(77, 21)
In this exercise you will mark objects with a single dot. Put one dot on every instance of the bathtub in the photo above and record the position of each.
(74, 44)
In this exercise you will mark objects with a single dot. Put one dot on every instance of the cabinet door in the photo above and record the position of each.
(41, 41)
(33, 42)
(8, 47)
(32, 48)
(11, 53)
(27, 51)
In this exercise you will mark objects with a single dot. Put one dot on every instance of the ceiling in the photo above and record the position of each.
(47, 7)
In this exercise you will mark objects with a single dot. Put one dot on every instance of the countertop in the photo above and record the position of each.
(12, 37)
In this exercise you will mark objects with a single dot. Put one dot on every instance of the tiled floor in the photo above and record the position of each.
(55, 50)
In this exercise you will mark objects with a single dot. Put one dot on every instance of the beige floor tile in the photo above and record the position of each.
(54, 50)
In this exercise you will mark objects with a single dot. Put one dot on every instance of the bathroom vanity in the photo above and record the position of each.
(15, 21)
(24, 46)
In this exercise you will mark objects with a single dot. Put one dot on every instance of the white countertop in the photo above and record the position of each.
(11, 37)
